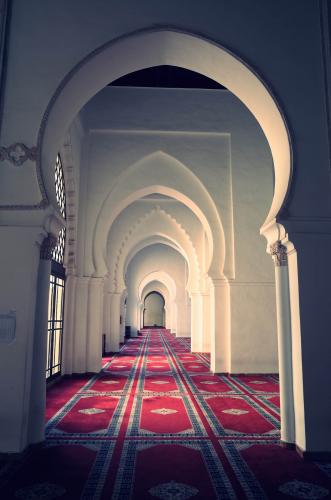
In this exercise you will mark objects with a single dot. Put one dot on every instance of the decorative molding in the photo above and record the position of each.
(47, 247)
(279, 254)
(18, 153)
(135, 228)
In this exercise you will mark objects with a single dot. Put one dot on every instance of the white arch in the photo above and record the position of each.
(160, 225)
(156, 286)
(153, 240)
(170, 305)
(153, 47)
(163, 278)
(171, 178)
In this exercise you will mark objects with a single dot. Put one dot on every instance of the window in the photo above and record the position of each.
(55, 326)
(57, 286)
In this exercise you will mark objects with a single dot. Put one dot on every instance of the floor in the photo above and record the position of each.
(155, 423)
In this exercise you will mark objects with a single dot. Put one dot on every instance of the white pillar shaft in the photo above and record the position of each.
(94, 325)
(220, 346)
(68, 325)
(80, 333)
(38, 372)
(285, 354)
(206, 322)
(115, 305)
(122, 326)
(196, 322)
(106, 315)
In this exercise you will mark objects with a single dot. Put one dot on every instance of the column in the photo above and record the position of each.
(68, 325)
(279, 253)
(94, 325)
(115, 311)
(80, 331)
(106, 316)
(123, 315)
(220, 346)
(196, 321)
(36, 430)
(206, 322)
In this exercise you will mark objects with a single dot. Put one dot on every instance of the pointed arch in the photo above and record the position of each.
(157, 223)
(172, 178)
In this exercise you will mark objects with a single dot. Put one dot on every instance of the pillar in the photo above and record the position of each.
(115, 311)
(123, 317)
(68, 325)
(36, 430)
(310, 293)
(220, 326)
(284, 334)
(106, 319)
(196, 321)
(206, 322)
(94, 325)
(80, 331)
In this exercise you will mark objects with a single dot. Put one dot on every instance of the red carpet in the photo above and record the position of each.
(155, 423)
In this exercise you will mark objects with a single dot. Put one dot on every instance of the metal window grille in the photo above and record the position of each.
(56, 286)
(58, 252)
(55, 326)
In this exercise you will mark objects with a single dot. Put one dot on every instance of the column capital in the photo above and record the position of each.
(96, 281)
(279, 253)
(219, 282)
(47, 247)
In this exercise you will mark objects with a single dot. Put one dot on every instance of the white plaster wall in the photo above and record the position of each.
(18, 276)
(157, 258)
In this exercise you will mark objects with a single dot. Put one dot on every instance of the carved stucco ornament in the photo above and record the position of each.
(47, 247)
(18, 153)
(279, 253)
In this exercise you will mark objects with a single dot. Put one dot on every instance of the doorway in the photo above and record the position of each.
(154, 314)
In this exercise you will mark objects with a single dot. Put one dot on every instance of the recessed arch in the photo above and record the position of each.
(172, 179)
(153, 47)
(153, 240)
(158, 287)
(156, 225)
(163, 278)
(120, 197)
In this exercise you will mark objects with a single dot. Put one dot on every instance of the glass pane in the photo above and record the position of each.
(56, 348)
(48, 364)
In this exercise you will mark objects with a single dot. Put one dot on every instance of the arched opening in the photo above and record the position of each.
(111, 62)
(153, 47)
(154, 313)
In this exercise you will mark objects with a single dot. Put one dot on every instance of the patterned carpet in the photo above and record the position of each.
(155, 423)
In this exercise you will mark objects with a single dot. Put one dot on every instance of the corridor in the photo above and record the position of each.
(155, 423)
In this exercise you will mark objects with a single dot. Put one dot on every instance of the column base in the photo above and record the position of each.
(289, 446)
(18, 456)
(314, 456)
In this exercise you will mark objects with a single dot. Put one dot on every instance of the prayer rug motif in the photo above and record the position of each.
(211, 384)
(89, 414)
(176, 469)
(257, 383)
(237, 415)
(165, 415)
(267, 470)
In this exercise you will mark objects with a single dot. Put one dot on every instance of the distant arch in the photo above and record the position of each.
(156, 225)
